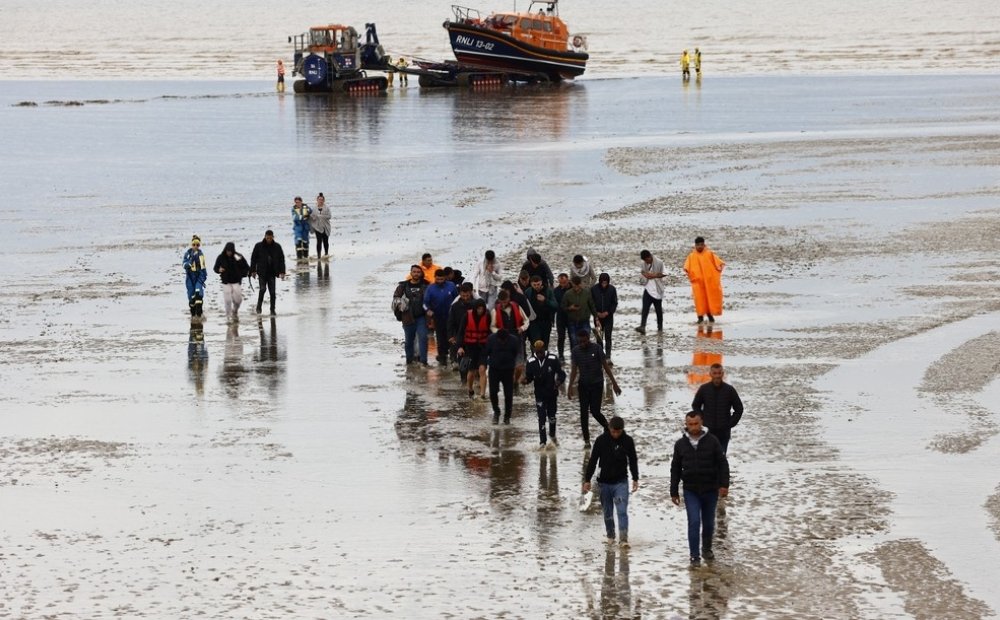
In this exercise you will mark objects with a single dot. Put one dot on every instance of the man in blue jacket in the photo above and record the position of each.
(438, 299)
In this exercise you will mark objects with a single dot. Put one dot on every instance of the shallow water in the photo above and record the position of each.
(185, 39)
(300, 470)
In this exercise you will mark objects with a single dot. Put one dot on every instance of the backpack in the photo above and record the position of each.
(400, 303)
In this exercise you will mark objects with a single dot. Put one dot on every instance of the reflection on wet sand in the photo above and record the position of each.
(616, 590)
(302, 277)
(232, 373)
(523, 112)
(709, 591)
(270, 357)
(491, 454)
(549, 505)
(323, 273)
(339, 119)
(506, 468)
(652, 372)
(197, 355)
(706, 352)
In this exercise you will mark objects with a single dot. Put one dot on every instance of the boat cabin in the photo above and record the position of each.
(540, 26)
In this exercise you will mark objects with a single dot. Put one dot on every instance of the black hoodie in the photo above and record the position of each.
(235, 267)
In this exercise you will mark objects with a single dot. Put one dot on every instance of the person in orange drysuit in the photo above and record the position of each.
(704, 270)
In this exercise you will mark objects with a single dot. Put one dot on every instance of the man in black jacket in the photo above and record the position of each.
(616, 452)
(606, 303)
(587, 362)
(545, 371)
(535, 266)
(501, 357)
(456, 319)
(719, 405)
(699, 461)
(267, 262)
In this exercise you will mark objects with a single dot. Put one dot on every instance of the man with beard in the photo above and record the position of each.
(437, 300)
(408, 306)
(543, 303)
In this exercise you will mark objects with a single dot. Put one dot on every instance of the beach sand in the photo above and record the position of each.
(302, 471)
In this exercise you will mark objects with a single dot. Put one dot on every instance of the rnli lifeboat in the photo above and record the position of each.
(536, 43)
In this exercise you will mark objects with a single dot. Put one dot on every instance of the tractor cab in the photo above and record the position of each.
(326, 53)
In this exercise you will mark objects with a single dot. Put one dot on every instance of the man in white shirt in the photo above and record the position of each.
(652, 294)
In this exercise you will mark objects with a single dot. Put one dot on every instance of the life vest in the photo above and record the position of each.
(476, 332)
(515, 312)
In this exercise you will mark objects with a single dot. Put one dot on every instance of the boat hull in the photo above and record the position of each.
(485, 47)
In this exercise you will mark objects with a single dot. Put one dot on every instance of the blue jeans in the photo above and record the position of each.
(614, 498)
(574, 326)
(701, 519)
(418, 329)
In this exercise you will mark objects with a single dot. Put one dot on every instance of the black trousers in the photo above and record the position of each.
(647, 301)
(561, 322)
(322, 242)
(504, 377)
(607, 326)
(591, 396)
(265, 283)
(441, 337)
(546, 406)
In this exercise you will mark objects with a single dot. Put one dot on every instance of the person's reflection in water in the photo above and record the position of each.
(506, 469)
(302, 279)
(549, 505)
(708, 594)
(269, 359)
(232, 362)
(706, 352)
(323, 274)
(197, 357)
(616, 591)
(652, 372)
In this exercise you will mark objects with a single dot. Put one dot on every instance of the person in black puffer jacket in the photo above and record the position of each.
(232, 268)
(699, 461)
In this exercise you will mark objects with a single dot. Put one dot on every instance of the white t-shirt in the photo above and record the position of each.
(653, 289)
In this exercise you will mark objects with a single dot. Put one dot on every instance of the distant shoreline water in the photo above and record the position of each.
(191, 40)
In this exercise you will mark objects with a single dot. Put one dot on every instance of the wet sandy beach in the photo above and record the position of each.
(300, 471)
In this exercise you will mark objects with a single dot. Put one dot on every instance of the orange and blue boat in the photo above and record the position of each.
(536, 43)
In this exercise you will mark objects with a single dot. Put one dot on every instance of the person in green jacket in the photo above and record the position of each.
(543, 302)
(580, 310)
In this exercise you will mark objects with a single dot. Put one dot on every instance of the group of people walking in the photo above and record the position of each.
(267, 261)
(482, 328)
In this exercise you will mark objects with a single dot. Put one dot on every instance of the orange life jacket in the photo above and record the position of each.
(515, 312)
(476, 332)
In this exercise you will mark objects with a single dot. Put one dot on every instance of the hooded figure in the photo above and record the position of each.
(232, 268)
(606, 303)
